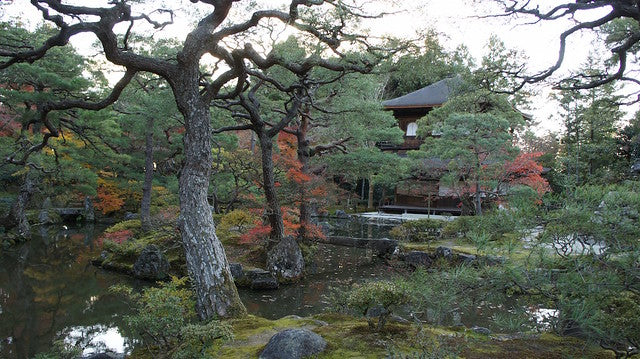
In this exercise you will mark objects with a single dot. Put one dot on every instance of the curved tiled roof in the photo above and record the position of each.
(433, 95)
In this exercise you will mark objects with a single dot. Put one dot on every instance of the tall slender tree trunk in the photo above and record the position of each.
(304, 153)
(145, 205)
(478, 199)
(274, 214)
(370, 200)
(207, 263)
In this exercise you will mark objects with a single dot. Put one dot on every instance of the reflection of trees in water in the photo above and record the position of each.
(49, 285)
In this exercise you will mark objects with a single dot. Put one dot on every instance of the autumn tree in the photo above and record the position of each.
(224, 33)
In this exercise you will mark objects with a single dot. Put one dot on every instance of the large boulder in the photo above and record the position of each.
(285, 260)
(341, 214)
(260, 279)
(152, 264)
(418, 259)
(444, 252)
(254, 278)
(237, 272)
(294, 344)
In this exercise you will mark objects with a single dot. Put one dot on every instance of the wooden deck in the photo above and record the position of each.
(413, 209)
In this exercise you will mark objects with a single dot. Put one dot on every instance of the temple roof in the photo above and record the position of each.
(433, 95)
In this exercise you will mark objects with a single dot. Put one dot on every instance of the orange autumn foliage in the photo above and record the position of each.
(110, 197)
(526, 171)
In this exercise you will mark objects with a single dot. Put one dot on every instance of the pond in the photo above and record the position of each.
(49, 291)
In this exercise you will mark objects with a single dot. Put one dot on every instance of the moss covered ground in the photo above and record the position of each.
(349, 337)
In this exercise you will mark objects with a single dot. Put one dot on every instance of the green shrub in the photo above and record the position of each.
(377, 299)
(233, 224)
(460, 226)
(132, 225)
(166, 321)
(495, 225)
(422, 230)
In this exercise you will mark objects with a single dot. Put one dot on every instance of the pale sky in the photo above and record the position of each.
(457, 23)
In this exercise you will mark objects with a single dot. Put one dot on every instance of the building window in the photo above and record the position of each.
(412, 128)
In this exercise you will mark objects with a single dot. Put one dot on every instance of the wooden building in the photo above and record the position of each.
(424, 192)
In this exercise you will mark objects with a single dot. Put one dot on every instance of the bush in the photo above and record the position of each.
(377, 299)
(495, 225)
(233, 224)
(166, 321)
(418, 231)
(130, 225)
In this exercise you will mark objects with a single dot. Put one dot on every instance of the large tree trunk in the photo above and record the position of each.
(207, 263)
(17, 216)
(145, 205)
(274, 214)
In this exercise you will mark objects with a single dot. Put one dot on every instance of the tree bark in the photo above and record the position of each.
(216, 293)
(145, 205)
(370, 201)
(274, 214)
(478, 199)
(304, 153)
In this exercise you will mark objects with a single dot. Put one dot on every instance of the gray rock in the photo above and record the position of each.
(418, 259)
(444, 252)
(294, 344)
(325, 226)
(376, 311)
(260, 279)
(285, 260)
(481, 330)
(466, 258)
(399, 319)
(236, 271)
(129, 216)
(341, 214)
(151, 264)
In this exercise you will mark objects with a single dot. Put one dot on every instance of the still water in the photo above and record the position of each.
(50, 291)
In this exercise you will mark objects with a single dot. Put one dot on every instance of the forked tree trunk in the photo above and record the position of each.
(274, 214)
(145, 205)
(207, 263)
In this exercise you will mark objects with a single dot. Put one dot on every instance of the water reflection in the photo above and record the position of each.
(96, 339)
(48, 285)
